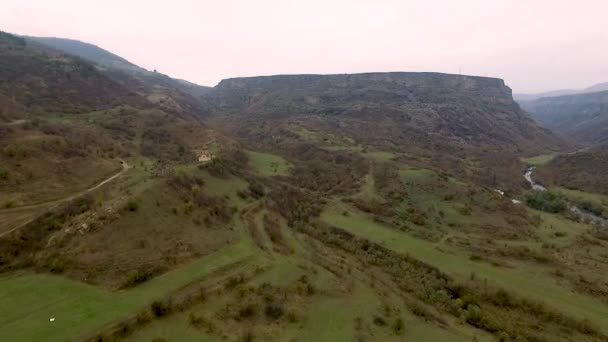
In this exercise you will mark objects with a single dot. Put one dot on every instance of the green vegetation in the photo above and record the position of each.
(540, 160)
(267, 164)
(29, 301)
(537, 286)
(355, 224)
(546, 201)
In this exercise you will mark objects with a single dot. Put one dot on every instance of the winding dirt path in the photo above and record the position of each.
(51, 204)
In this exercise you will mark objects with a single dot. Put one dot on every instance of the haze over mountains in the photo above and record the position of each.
(592, 89)
(375, 206)
(582, 117)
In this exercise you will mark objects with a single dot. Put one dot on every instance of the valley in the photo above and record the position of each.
(348, 207)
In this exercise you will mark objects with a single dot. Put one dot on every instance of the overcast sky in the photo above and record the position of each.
(535, 45)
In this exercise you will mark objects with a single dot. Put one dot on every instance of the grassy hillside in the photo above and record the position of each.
(582, 117)
(584, 170)
(327, 210)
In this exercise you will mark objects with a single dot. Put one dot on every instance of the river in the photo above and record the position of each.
(583, 214)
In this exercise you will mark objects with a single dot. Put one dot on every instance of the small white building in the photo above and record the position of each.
(205, 156)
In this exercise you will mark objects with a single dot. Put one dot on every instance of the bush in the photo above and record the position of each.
(379, 321)
(138, 277)
(160, 309)
(591, 207)
(132, 205)
(4, 174)
(398, 326)
(546, 201)
(292, 317)
(273, 311)
(247, 311)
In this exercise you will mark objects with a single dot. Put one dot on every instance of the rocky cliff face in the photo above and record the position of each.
(392, 109)
(583, 117)
(315, 90)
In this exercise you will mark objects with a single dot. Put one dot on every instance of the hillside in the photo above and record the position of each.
(118, 67)
(329, 208)
(88, 52)
(67, 130)
(417, 114)
(585, 170)
(582, 117)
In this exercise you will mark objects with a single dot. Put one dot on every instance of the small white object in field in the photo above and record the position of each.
(52, 319)
(516, 201)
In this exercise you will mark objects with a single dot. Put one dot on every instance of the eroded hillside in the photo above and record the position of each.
(331, 208)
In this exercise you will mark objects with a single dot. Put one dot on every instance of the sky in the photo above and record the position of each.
(534, 45)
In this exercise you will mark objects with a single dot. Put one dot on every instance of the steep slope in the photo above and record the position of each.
(42, 79)
(455, 109)
(58, 109)
(119, 67)
(582, 117)
(418, 114)
(88, 52)
(76, 139)
(585, 170)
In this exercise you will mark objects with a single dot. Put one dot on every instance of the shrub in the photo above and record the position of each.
(398, 326)
(160, 309)
(379, 321)
(273, 311)
(257, 190)
(132, 205)
(143, 318)
(589, 206)
(138, 277)
(546, 201)
(292, 317)
(4, 174)
(247, 311)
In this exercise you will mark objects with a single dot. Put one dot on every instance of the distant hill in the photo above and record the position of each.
(59, 109)
(582, 117)
(87, 51)
(530, 97)
(117, 66)
(447, 118)
(428, 107)
(43, 79)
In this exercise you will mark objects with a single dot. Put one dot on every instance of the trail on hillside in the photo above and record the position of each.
(53, 203)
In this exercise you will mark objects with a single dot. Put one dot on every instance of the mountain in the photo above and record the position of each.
(597, 87)
(431, 114)
(134, 206)
(43, 79)
(582, 117)
(114, 64)
(67, 128)
(88, 52)
(530, 97)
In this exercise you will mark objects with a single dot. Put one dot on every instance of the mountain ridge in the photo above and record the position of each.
(581, 117)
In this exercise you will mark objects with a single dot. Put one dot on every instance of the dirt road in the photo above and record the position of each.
(27, 211)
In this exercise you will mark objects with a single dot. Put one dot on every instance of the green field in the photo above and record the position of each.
(540, 160)
(30, 300)
(526, 280)
(267, 164)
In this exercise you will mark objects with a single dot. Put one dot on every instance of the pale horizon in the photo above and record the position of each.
(535, 46)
